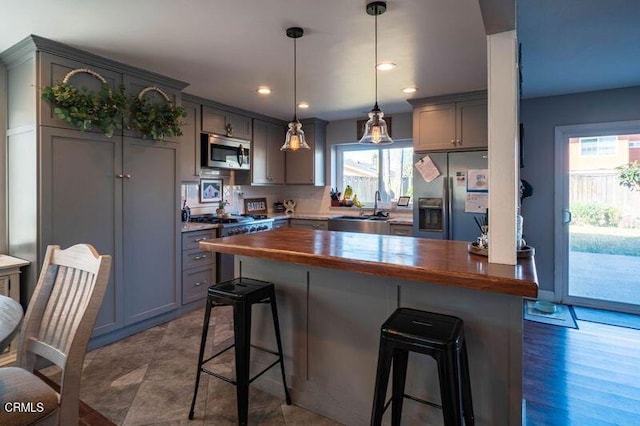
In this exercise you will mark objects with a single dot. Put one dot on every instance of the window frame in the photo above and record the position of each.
(341, 148)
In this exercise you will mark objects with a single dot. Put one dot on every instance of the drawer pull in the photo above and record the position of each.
(204, 256)
(197, 240)
(198, 284)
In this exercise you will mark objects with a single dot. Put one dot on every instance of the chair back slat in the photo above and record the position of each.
(68, 301)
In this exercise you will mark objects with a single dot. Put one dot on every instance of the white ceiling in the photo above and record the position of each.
(225, 49)
(571, 46)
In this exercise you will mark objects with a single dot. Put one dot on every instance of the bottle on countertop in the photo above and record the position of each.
(186, 212)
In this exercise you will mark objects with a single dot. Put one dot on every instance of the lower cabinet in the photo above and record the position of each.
(309, 224)
(402, 230)
(198, 266)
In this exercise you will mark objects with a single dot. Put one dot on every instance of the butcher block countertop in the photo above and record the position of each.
(431, 261)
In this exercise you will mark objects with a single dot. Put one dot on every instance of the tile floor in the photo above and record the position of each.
(148, 379)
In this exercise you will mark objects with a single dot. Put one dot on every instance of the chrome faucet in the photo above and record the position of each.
(376, 198)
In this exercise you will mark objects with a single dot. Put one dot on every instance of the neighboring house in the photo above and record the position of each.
(603, 152)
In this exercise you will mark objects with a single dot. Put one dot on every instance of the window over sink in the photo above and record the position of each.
(367, 169)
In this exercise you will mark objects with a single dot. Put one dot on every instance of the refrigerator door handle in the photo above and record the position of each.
(445, 208)
(450, 208)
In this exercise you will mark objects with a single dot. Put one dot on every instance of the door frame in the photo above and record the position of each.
(561, 204)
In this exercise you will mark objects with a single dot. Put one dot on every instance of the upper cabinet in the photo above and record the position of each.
(190, 142)
(453, 122)
(226, 123)
(268, 162)
(306, 166)
(155, 93)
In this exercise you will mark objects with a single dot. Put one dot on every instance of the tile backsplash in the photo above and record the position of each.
(309, 199)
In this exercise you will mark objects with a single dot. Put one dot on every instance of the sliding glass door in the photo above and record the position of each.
(598, 215)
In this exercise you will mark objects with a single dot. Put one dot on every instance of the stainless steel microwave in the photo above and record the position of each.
(224, 152)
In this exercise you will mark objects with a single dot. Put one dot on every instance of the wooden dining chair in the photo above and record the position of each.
(57, 327)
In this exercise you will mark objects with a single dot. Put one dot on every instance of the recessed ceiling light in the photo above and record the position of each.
(410, 90)
(303, 105)
(386, 66)
(264, 90)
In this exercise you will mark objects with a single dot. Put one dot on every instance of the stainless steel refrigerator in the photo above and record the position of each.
(439, 205)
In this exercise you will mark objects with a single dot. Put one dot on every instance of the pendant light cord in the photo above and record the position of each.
(376, 54)
(295, 81)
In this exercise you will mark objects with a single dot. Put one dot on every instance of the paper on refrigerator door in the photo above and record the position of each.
(476, 202)
(427, 169)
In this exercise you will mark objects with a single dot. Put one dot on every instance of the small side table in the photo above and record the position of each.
(10, 286)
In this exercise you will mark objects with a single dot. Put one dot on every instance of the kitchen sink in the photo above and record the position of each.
(381, 218)
(361, 224)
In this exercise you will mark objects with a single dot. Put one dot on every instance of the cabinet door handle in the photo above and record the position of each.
(198, 284)
(453, 142)
(119, 176)
(204, 256)
(459, 142)
(311, 179)
(128, 176)
(197, 240)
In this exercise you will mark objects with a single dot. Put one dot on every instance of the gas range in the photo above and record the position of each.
(236, 225)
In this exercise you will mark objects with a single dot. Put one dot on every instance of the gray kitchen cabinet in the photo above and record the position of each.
(150, 219)
(221, 122)
(66, 186)
(53, 70)
(267, 161)
(190, 143)
(82, 203)
(198, 267)
(307, 167)
(309, 224)
(453, 122)
(402, 230)
(134, 85)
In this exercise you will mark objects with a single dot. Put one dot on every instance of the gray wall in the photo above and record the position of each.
(540, 116)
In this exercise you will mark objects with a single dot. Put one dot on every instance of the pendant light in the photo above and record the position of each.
(375, 130)
(295, 135)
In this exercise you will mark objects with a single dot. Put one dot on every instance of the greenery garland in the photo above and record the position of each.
(156, 120)
(85, 109)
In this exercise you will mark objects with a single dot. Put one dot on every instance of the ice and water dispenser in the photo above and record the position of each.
(430, 214)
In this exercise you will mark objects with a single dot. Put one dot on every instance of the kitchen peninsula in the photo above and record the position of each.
(334, 291)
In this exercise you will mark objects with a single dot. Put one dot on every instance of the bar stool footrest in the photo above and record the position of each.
(233, 382)
(413, 398)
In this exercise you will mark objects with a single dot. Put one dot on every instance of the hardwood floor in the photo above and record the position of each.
(589, 376)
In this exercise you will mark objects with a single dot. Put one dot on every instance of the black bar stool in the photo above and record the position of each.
(440, 336)
(241, 293)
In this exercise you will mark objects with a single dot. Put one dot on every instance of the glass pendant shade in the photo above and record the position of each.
(375, 129)
(295, 138)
